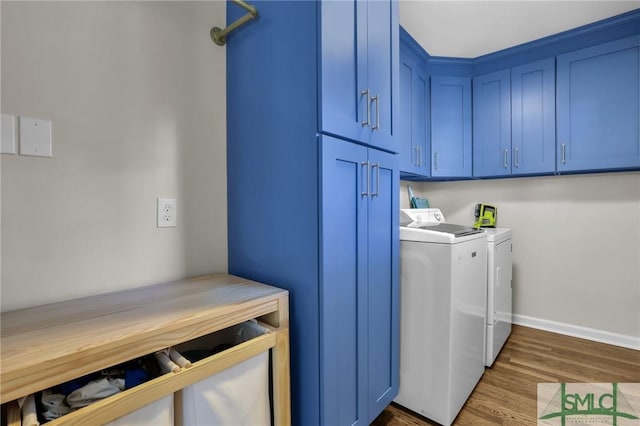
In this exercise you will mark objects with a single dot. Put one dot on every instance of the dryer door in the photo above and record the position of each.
(502, 292)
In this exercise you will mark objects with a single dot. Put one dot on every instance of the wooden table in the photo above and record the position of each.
(47, 345)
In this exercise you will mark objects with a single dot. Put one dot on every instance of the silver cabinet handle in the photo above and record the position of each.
(515, 154)
(564, 152)
(365, 176)
(376, 99)
(506, 153)
(435, 161)
(419, 149)
(377, 167)
(366, 93)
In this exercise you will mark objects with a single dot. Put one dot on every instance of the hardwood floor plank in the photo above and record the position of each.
(395, 415)
(474, 417)
(507, 392)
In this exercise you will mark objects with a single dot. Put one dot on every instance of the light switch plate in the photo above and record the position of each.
(8, 134)
(35, 137)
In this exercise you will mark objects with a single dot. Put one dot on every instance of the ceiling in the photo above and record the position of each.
(468, 29)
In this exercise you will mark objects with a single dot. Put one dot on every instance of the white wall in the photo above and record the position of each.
(576, 244)
(136, 93)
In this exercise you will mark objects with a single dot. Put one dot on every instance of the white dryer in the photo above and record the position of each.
(443, 281)
(499, 291)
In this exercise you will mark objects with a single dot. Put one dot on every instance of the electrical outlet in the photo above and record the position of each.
(167, 212)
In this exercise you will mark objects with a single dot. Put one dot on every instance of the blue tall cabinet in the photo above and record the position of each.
(359, 326)
(313, 193)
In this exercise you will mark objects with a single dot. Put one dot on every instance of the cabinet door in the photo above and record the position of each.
(413, 129)
(383, 56)
(502, 312)
(492, 124)
(360, 296)
(450, 127)
(598, 98)
(344, 97)
(359, 54)
(343, 323)
(533, 118)
(406, 151)
(383, 287)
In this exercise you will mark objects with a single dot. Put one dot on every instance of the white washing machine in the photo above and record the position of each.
(443, 281)
(499, 292)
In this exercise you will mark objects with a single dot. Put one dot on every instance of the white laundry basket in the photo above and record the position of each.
(237, 396)
(157, 413)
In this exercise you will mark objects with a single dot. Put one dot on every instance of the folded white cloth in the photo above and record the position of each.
(53, 404)
(94, 391)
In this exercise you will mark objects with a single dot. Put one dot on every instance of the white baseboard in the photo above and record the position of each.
(593, 334)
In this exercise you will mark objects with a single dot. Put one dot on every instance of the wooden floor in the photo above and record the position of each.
(506, 394)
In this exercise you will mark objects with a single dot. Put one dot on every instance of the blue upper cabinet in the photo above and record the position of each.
(413, 122)
(359, 61)
(514, 121)
(451, 127)
(598, 101)
(533, 118)
(492, 124)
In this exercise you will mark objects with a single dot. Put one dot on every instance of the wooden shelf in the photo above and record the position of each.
(47, 345)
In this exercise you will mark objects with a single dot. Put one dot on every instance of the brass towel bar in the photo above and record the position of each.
(219, 36)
